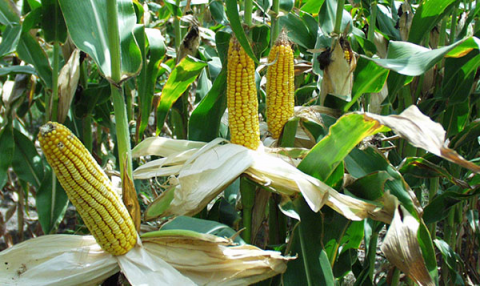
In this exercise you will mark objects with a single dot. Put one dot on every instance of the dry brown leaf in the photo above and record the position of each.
(402, 249)
(423, 133)
(130, 198)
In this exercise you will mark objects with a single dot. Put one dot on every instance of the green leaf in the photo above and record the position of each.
(222, 40)
(7, 148)
(17, 69)
(422, 168)
(343, 136)
(438, 208)
(218, 12)
(312, 267)
(312, 6)
(204, 123)
(30, 51)
(360, 163)
(260, 39)
(410, 59)
(179, 80)
(427, 16)
(51, 204)
(202, 226)
(287, 5)
(386, 24)
(159, 205)
(26, 163)
(298, 31)
(87, 25)
(327, 17)
(9, 14)
(371, 186)
(148, 76)
(369, 78)
(10, 38)
(53, 24)
(456, 117)
(459, 77)
(452, 259)
(469, 134)
(236, 24)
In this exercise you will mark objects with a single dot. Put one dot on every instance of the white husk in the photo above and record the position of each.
(56, 260)
(164, 147)
(179, 258)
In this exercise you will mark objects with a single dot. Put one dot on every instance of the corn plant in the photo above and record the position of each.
(323, 142)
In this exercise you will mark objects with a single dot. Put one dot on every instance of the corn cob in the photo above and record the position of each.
(242, 97)
(88, 188)
(280, 86)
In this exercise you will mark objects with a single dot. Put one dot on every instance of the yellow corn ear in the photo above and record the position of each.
(280, 86)
(242, 100)
(88, 188)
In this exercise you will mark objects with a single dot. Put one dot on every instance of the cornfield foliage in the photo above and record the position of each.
(375, 179)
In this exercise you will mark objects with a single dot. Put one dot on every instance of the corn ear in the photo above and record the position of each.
(242, 97)
(280, 86)
(88, 188)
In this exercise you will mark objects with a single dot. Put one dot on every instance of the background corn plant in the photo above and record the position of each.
(167, 76)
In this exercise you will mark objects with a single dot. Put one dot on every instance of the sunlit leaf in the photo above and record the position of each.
(410, 59)
(29, 50)
(87, 25)
(179, 80)
(428, 14)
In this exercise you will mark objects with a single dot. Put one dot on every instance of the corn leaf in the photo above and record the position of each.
(30, 51)
(413, 60)
(148, 76)
(87, 24)
(428, 14)
(26, 162)
(179, 80)
(52, 203)
(236, 24)
(7, 148)
(10, 38)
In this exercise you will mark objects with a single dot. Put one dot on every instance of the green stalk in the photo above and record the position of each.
(247, 190)
(453, 25)
(177, 30)
(55, 71)
(275, 29)
(338, 17)
(373, 21)
(303, 245)
(276, 222)
(432, 191)
(395, 277)
(372, 253)
(248, 12)
(123, 137)
(129, 98)
(87, 120)
(87, 133)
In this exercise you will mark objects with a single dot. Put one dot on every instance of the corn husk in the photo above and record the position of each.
(213, 167)
(163, 258)
(338, 75)
(67, 84)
